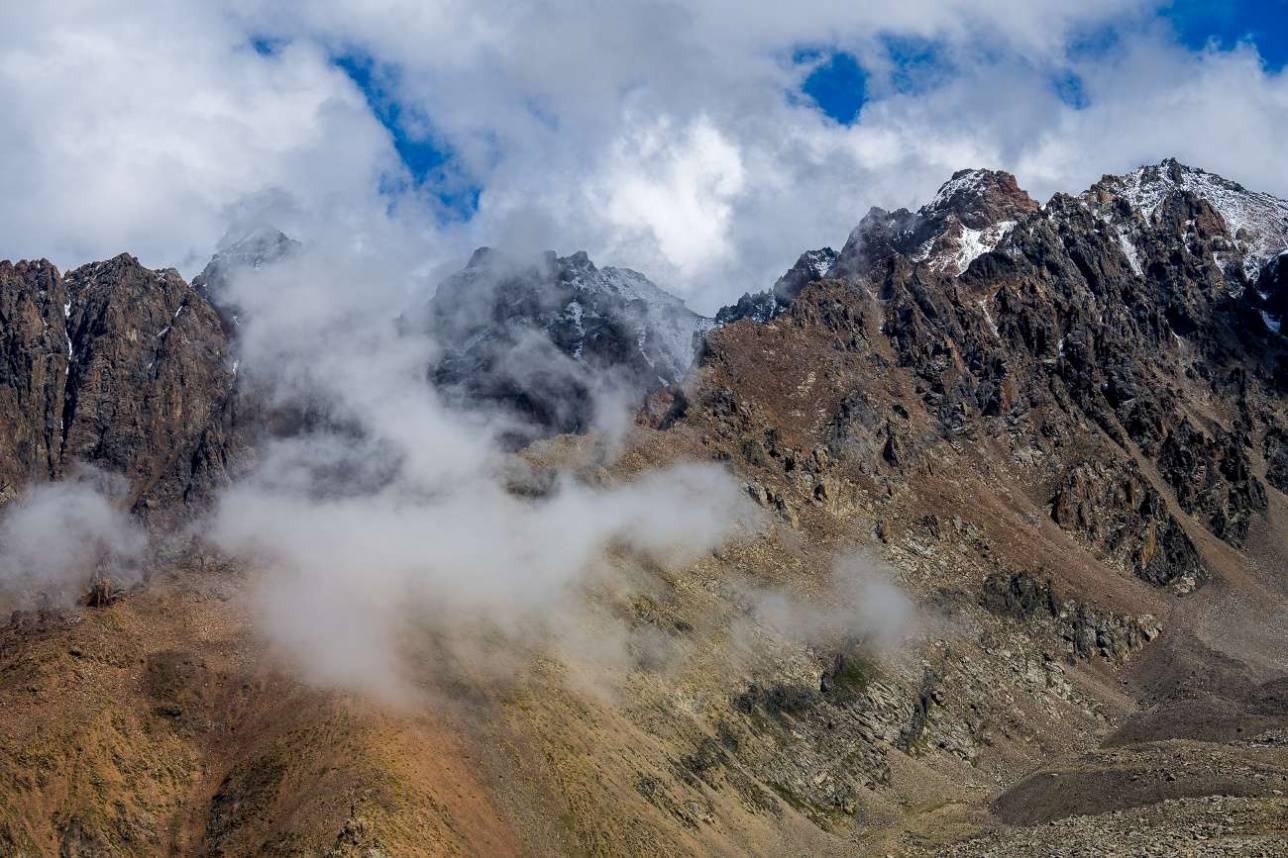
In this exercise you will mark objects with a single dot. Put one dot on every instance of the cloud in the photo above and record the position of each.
(676, 185)
(136, 126)
(863, 606)
(57, 535)
(386, 509)
(667, 137)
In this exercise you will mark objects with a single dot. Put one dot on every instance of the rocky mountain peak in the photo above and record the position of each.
(528, 333)
(980, 198)
(114, 365)
(1255, 222)
(967, 217)
(249, 250)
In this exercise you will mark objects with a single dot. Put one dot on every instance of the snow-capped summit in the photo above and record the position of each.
(968, 216)
(528, 333)
(1257, 222)
(971, 213)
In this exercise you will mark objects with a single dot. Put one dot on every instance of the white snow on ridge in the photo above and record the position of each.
(971, 244)
(1257, 221)
(1129, 250)
(1272, 323)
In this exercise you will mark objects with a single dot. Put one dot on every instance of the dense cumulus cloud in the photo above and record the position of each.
(667, 137)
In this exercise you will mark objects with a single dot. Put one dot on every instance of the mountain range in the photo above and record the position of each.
(1060, 428)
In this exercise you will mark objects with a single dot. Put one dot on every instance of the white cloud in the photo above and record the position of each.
(676, 184)
(653, 134)
(134, 127)
(393, 510)
(57, 535)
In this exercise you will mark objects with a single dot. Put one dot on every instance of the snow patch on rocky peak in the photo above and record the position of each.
(970, 245)
(818, 262)
(1129, 250)
(974, 181)
(1257, 221)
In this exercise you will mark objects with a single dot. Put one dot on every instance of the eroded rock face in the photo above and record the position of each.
(117, 366)
(35, 352)
(1086, 630)
(1275, 449)
(1212, 479)
(1114, 508)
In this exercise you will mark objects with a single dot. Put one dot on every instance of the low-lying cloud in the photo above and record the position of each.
(390, 507)
(862, 606)
(57, 536)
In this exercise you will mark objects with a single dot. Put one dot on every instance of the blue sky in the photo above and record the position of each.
(429, 160)
(1226, 23)
(839, 85)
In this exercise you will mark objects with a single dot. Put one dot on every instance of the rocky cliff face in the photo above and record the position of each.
(37, 352)
(116, 366)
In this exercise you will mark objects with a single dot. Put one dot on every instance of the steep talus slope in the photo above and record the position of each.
(1062, 430)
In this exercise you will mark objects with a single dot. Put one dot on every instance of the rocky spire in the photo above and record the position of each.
(968, 216)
